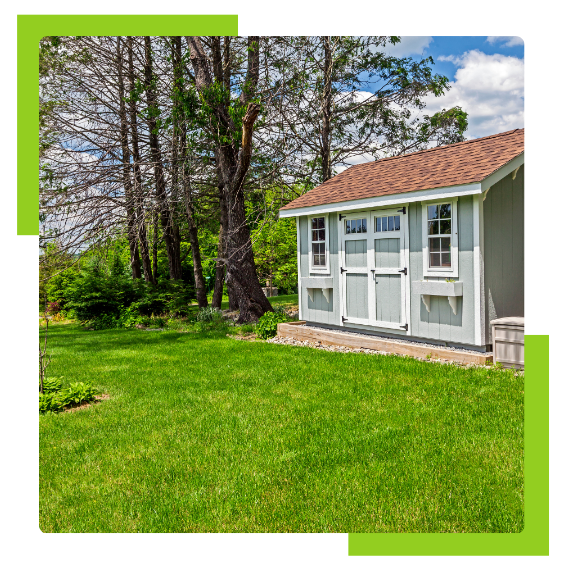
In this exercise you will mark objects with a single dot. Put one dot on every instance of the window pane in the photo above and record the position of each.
(321, 235)
(348, 226)
(432, 212)
(353, 226)
(321, 248)
(315, 248)
(434, 244)
(391, 224)
(314, 223)
(396, 220)
(314, 235)
(445, 257)
(445, 226)
(378, 225)
(434, 260)
(445, 210)
(445, 244)
(363, 222)
(384, 224)
(321, 223)
(433, 228)
(316, 260)
(322, 259)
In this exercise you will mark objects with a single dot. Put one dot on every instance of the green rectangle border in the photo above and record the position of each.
(30, 30)
(533, 540)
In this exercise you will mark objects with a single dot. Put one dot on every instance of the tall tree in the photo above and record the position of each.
(170, 231)
(230, 125)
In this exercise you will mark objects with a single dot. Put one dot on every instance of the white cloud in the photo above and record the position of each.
(506, 41)
(409, 45)
(490, 88)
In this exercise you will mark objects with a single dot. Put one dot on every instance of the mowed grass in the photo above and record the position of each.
(204, 433)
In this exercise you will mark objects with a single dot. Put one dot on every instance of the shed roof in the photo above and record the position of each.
(443, 166)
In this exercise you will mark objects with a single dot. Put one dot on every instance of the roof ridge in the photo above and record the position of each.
(444, 146)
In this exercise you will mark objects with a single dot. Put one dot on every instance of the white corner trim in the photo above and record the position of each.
(447, 192)
(299, 270)
(477, 232)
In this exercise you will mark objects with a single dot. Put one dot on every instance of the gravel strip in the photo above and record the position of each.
(335, 348)
(401, 340)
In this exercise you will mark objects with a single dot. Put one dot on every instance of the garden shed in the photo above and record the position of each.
(427, 245)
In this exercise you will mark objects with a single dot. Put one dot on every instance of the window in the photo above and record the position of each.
(387, 224)
(356, 226)
(439, 218)
(440, 243)
(318, 244)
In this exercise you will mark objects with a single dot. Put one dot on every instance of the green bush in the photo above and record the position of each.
(55, 398)
(267, 324)
(102, 294)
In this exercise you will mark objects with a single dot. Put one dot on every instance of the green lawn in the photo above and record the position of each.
(208, 434)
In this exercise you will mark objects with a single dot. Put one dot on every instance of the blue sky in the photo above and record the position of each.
(486, 74)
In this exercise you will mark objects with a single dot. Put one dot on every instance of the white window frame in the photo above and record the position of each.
(318, 268)
(447, 272)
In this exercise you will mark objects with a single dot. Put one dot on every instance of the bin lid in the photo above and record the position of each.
(517, 321)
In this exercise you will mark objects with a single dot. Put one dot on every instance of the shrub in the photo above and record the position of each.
(55, 398)
(267, 324)
(54, 307)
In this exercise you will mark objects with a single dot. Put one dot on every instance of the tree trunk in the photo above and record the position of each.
(169, 234)
(137, 185)
(180, 128)
(126, 160)
(326, 110)
(155, 246)
(232, 162)
(221, 254)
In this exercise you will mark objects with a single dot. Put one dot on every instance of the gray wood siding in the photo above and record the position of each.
(388, 298)
(319, 310)
(387, 252)
(355, 253)
(441, 323)
(357, 295)
(504, 250)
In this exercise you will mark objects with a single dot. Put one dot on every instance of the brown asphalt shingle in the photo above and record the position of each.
(450, 165)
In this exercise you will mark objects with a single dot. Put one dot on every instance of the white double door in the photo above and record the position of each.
(373, 268)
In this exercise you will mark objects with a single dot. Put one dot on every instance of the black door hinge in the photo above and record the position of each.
(341, 217)
(402, 210)
(343, 270)
(404, 270)
(343, 319)
(403, 327)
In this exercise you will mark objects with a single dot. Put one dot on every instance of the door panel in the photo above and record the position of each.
(388, 298)
(387, 253)
(355, 253)
(357, 295)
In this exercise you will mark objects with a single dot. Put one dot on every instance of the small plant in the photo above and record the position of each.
(268, 324)
(55, 398)
(450, 280)
(209, 315)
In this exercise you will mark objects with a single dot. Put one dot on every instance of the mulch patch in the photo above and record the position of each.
(76, 407)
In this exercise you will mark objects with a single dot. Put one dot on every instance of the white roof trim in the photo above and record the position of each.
(502, 172)
(389, 200)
